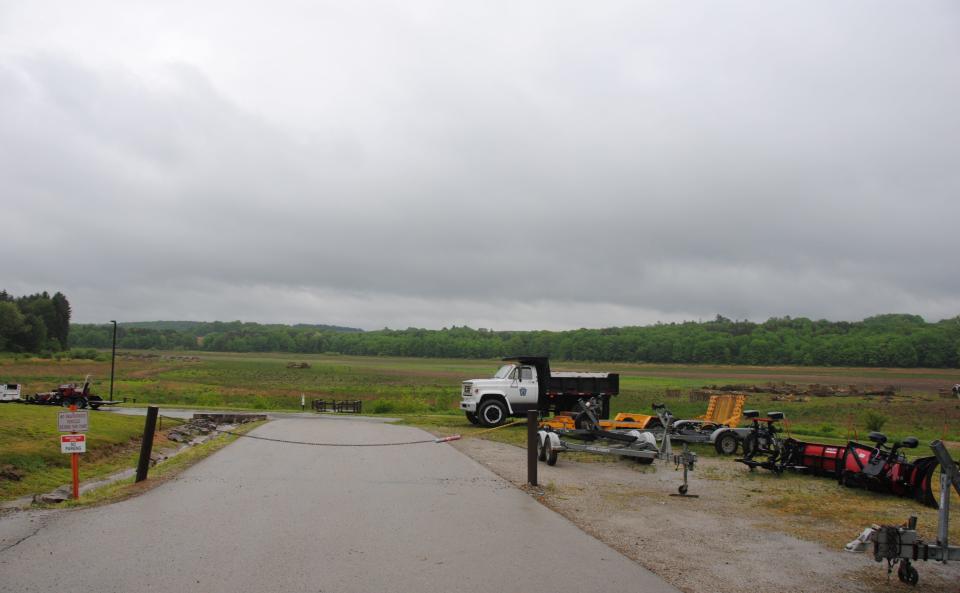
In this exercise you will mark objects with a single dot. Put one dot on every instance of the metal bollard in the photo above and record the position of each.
(532, 426)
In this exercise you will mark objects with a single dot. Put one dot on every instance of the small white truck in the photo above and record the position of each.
(526, 383)
(10, 392)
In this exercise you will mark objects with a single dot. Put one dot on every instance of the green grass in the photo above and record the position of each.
(30, 448)
(419, 386)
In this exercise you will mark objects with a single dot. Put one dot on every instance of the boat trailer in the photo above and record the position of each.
(901, 544)
(642, 446)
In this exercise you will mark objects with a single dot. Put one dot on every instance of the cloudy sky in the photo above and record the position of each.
(514, 165)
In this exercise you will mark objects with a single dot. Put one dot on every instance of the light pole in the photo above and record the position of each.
(113, 356)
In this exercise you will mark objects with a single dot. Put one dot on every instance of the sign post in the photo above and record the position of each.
(74, 422)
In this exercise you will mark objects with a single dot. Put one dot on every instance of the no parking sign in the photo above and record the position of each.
(73, 443)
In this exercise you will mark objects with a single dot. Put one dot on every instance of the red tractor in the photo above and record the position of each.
(70, 394)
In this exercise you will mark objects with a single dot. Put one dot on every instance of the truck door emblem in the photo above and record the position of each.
(523, 391)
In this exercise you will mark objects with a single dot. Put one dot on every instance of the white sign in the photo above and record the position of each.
(73, 422)
(73, 443)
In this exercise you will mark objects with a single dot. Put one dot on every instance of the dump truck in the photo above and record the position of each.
(526, 383)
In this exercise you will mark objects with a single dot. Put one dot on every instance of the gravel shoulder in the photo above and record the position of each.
(724, 541)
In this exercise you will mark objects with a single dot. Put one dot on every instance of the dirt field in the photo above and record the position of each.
(728, 540)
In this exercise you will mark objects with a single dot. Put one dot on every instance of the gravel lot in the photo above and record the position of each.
(724, 541)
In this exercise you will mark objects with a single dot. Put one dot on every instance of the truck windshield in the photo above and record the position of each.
(503, 372)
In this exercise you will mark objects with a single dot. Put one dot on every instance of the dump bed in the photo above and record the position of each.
(584, 384)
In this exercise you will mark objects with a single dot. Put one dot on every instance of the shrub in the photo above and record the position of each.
(826, 429)
(875, 421)
(85, 354)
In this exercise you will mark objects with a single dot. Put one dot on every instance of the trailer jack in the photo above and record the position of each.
(687, 459)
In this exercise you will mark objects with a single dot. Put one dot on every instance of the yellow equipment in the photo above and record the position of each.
(722, 410)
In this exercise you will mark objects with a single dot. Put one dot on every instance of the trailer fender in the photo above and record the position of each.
(646, 438)
(716, 433)
(687, 424)
(553, 438)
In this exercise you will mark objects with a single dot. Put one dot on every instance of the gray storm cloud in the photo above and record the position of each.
(516, 165)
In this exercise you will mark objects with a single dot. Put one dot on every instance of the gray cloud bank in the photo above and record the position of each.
(532, 165)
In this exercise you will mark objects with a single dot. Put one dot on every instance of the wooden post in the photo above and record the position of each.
(532, 426)
(146, 447)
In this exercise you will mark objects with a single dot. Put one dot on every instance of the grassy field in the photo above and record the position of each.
(405, 386)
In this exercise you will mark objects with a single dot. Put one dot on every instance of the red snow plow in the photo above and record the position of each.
(878, 467)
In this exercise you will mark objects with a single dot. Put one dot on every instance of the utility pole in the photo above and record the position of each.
(113, 357)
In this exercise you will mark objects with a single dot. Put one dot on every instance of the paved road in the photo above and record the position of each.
(261, 516)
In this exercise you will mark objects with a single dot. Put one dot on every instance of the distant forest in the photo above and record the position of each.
(881, 341)
(34, 323)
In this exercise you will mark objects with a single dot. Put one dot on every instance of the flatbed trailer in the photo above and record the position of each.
(640, 445)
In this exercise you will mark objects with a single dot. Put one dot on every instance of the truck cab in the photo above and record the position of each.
(513, 390)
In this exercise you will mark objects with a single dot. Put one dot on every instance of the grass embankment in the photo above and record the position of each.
(30, 457)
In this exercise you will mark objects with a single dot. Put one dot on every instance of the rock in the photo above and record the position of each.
(57, 496)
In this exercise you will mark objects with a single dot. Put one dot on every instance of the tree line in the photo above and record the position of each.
(881, 341)
(34, 323)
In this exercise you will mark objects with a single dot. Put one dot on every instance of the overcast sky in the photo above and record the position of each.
(513, 165)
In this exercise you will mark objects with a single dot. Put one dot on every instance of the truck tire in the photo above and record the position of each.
(492, 412)
(726, 442)
(472, 417)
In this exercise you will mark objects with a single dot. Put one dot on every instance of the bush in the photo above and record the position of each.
(826, 429)
(875, 421)
(84, 354)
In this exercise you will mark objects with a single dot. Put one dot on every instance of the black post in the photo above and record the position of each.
(147, 445)
(532, 426)
(113, 356)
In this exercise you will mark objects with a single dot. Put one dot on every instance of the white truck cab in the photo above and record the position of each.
(512, 390)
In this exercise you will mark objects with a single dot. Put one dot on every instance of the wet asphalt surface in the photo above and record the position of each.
(262, 516)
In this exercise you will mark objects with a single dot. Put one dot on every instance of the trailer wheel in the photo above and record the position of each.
(550, 452)
(541, 447)
(472, 417)
(492, 413)
(908, 574)
(727, 443)
(682, 489)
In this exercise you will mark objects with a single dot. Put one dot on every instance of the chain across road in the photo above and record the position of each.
(455, 437)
